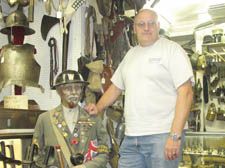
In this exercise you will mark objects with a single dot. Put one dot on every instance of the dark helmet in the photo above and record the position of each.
(69, 76)
(17, 19)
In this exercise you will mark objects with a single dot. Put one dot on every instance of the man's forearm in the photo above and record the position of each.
(109, 97)
(182, 110)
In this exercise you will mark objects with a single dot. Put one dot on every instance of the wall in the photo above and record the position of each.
(49, 98)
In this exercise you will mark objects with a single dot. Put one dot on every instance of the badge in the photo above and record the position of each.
(75, 134)
(84, 126)
(65, 134)
(60, 125)
(56, 122)
(75, 129)
(63, 128)
(64, 123)
(74, 141)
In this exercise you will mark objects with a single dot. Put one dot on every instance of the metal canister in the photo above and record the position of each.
(223, 38)
(217, 34)
(211, 112)
(220, 115)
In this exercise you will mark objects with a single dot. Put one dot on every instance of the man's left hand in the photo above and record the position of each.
(172, 149)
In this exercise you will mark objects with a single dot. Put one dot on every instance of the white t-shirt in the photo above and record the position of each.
(150, 76)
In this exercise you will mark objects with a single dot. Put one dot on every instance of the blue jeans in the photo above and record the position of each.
(146, 152)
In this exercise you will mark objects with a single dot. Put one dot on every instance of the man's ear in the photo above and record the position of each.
(58, 91)
(158, 25)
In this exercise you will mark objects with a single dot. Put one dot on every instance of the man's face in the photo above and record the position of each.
(70, 94)
(146, 27)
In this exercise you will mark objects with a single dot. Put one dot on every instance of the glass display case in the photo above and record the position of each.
(203, 150)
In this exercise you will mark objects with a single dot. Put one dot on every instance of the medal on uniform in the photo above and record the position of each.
(84, 125)
(65, 134)
(75, 134)
(60, 125)
(64, 123)
(63, 128)
(74, 141)
(75, 129)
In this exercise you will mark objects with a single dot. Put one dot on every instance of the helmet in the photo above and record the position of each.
(17, 18)
(69, 76)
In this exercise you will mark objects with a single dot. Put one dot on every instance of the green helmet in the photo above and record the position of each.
(17, 18)
(69, 76)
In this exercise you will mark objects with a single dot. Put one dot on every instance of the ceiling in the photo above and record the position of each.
(180, 17)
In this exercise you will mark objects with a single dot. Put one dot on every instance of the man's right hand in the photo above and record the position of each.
(91, 109)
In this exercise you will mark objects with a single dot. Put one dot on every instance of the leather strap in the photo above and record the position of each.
(53, 60)
(205, 89)
(61, 141)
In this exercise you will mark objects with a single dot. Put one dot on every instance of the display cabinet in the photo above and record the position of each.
(203, 150)
(16, 132)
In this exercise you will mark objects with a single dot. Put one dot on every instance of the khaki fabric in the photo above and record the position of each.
(104, 7)
(94, 78)
(90, 97)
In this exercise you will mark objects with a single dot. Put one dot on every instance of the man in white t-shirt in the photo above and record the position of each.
(157, 79)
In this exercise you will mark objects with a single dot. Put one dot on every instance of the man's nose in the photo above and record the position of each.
(146, 26)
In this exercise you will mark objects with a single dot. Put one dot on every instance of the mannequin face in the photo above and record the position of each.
(70, 94)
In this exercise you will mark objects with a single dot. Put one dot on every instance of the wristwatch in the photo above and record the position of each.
(175, 137)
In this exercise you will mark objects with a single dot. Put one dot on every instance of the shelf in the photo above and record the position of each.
(18, 118)
(16, 133)
(204, 154)
(204, 133)
(214, 44)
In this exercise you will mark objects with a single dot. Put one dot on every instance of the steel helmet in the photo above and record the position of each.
(17, 19)
(69, 76)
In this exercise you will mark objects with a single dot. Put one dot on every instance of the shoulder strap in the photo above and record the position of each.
(61, 141)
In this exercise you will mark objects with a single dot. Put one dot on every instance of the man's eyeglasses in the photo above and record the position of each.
(143, 24)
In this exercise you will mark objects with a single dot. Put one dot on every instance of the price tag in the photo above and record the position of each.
(59, 14)
(103, 80)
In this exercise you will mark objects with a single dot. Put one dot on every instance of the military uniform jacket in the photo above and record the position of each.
(88, 129)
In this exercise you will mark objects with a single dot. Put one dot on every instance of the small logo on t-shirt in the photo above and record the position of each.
(154, 60)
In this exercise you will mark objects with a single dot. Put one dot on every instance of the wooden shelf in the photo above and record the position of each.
(18, 119)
